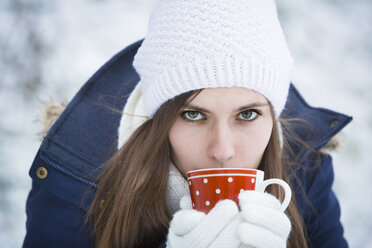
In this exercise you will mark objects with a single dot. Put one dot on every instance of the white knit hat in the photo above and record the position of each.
(194, 44)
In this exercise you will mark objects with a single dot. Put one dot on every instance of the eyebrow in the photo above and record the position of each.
(245, 107)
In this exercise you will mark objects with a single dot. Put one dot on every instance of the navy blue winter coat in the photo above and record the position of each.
(85, 136)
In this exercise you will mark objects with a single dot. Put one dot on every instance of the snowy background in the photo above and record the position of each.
(48, 49)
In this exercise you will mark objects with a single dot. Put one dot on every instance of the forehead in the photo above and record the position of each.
(227, 98)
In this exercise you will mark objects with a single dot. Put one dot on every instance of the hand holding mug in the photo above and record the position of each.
(190, 228)
(262, 222)
(210, 221)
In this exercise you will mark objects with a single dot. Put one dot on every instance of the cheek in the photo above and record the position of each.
(262, 137)
(253, 145)
(186, 152)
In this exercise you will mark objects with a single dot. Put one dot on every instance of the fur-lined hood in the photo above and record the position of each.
(50, 113)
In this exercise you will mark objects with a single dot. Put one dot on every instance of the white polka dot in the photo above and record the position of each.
(218, 191)
(193, 205)
(207, 203)
(230, 179)
(241, 190)
(205, 180)
(252, 180)
(190, 182)
(197, 192)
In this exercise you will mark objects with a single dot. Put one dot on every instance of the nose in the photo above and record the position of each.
(221, 146)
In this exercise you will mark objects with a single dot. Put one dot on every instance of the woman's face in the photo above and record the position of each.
(221, 128)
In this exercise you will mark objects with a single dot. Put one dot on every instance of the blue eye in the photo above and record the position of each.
(248, 115)
(192, 115)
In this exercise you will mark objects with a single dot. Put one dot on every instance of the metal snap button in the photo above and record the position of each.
(41, 172)
(334, 123)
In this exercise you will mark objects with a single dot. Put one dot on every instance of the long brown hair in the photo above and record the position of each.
(130, 206)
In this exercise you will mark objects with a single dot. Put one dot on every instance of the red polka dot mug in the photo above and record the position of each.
(208, 186)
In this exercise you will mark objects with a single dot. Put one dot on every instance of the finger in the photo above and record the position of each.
(259, 237)
(213, 223)
(258, 198)
(185, 220)
(185, 202)
(274, 220)
(229, 235)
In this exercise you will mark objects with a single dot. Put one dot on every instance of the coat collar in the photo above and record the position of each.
(314, 126)
(86, 133)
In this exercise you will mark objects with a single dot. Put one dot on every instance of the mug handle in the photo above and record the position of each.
(287, 190)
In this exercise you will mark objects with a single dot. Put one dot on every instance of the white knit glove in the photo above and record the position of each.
(191, 229)
(264, 224)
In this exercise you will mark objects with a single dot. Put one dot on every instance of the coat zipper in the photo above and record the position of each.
(66, 172)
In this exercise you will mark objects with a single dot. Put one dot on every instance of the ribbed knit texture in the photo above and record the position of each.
(177, 187)
(194, 44)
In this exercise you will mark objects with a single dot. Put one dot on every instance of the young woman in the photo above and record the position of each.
(211, 88)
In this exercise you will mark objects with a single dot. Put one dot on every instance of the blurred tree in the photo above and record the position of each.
(22, 46)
